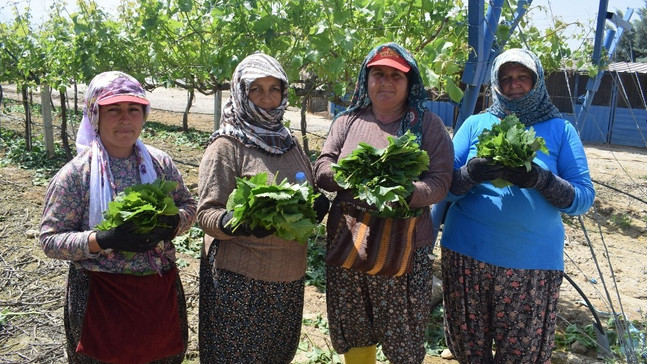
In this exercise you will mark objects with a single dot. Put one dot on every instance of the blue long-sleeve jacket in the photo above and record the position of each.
(514, 227)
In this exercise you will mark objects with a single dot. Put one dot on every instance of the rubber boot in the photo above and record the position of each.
(361, 355)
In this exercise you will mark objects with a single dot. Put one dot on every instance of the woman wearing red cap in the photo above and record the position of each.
(366, 309)
(124, 301)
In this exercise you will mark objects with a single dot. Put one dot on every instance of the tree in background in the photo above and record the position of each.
(195, 44)
(633, 46)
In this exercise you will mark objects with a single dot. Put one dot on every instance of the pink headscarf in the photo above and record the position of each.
(104, 86)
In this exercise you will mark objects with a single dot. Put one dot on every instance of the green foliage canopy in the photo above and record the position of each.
(196, 44)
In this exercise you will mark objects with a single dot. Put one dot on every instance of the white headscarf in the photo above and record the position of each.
(118, 87)
(535, 106)
(249, 123)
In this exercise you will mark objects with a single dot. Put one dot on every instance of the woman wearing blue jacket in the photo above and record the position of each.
(502, 248)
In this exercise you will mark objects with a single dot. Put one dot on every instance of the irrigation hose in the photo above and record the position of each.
(602, 338)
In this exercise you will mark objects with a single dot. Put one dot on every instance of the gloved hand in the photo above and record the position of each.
(170, 221)
(242, 229)
(482, 170)
(165, 229)
(521, 177)
(321, 206)
(556, 190)
(124, 237)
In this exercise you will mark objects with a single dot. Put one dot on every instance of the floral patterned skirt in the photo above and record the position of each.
(510, 311)
(365, 309)
(244, 320)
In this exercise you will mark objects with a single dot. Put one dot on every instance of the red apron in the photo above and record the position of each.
(131, 319)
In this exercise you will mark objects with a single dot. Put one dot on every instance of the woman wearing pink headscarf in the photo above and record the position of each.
(124, 301)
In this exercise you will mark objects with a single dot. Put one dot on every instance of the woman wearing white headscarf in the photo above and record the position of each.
(251, 281)
(124, 300)
(502, 248)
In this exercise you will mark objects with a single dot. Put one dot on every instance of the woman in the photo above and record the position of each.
(124, 301)
(365, 309)
(502, 248)
(251, 281)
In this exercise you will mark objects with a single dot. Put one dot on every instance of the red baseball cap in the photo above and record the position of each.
(389, 57)
(123, 98)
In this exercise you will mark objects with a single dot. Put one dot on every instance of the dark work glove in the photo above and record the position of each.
(477, 170)
(483, 169)
(170, 221)
(556, 190)
(321, 206)
(242, 229)
(123, 237)
(165, 229)
(521, 177)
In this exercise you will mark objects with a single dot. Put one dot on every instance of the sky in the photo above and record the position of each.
(40, 8)
(580, 10)
(583, 11)
(542, 13)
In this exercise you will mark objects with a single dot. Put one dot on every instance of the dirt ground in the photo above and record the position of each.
(32, 285)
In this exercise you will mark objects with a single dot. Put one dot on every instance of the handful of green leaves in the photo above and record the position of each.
(509, 143)
(286, 208)
(384, 177)
(140, 204)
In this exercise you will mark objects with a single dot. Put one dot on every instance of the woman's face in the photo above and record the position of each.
(387, 88)
(266, 92)
(119, 127)
(515, 80)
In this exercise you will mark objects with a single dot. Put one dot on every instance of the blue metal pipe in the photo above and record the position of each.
(481, 36)
(474, 74)
(612, 38)
(599, 29)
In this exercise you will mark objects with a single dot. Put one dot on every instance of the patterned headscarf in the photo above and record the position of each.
(532, 108)
(109, 87)
(243, 120)
(416, 99)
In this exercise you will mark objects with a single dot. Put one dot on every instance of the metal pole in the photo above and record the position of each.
(217, 109)
(46, 108)
(481, 36)
(611, 40)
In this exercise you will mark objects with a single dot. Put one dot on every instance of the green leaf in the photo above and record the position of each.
(140, 204)
(185, 5)
(285, 207)
(384, 178)
(509, 143)
(455, 93)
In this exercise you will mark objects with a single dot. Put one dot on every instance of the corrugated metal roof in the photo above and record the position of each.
(628, 67)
